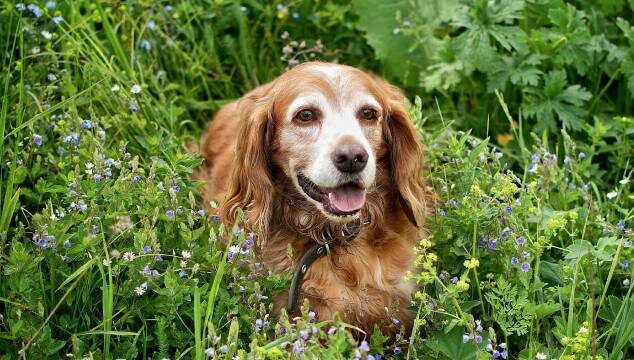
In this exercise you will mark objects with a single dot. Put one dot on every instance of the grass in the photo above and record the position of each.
(106, 253)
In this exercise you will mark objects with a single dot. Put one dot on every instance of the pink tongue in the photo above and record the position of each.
(347, 198)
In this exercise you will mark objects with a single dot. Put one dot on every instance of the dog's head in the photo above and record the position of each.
(328, 130)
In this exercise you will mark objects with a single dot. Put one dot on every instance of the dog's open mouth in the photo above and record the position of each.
(343, 200)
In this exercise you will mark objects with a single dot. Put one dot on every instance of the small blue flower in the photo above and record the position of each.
(520, 240)
(295, 15)
(35, 10)
(298, 347)
(146, 250)
(465, 338)
(442, 276)
(82, 206)
(625, 264)
(86, 124)
(525, 266)
(621, 225)
(147, 271)
(508, 209)
(42, 243)
(454, 279)
(37, 139)
(581, 155)
(532, 168)
(95, 230)
(505, 233)
(182, 273)
(65, 258)
(535, 159)
(249, 243)
(58, 20)
(478, 338)
(526, 254)
(20, 6)
(145, 45)
(492, 244)
(397, 350)
(67, 244)
(514, 260)
(396, 322)
(96, 177)
(169, 214)
(201, 212)
(364, 346)
(442, 213)
(137, 178)
(134, 106)
(51, 5)
(151, 25)
(170, 8)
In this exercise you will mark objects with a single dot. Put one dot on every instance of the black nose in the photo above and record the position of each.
(350, 158)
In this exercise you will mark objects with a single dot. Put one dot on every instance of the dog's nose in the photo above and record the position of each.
(350, 158)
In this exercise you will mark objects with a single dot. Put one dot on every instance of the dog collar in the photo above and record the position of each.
(325, 245)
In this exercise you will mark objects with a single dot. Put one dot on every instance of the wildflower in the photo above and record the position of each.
(51, 77)
(581, 155)
(478, 338)
(35, 10)
(525, 266)
(46, 35)
(146, 249)
(535, 158)
(210, 352)
(526, 254)
(186, 254)
(176, 188)
(492, 244)
(514, 260)
(396, 31)
(298, 347)
(50, 5)
(159, 74)
(442, 213)
(135, 89)
(621, 225)
(462, 285)
(625, 264)
(37, 139)
(82, 206)
(282, 11)
(295, 15)
(182, 273)
(454, 280)
(20, 6)
(128, 256)
(169, 214)
(147, 271)
(106, 262)
(151, 25)
(96, 177)
(86, 124)
(234, 249)
(115, 88)
(541, 356)
(624, 181)
(58, 20)
(472, 264)
(141, 289)
(169, 8)
(520, 240)
(626, 282)
(145, 45)
(465, 338)
(505, 233)
(364, 346)
(67, 244)
(508, 209)
(134, 106)
(532, 168)
(498, 155)
(65, 258)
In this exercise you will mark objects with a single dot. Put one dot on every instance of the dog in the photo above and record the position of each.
(326, 160)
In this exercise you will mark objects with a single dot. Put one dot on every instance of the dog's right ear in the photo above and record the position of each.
(251, 184)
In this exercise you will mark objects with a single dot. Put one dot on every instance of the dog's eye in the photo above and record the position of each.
(367, 113)
(306, 116)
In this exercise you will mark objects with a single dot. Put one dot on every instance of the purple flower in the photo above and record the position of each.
(525, 266)
(182, 273)
(35, 10)
(67, 244)
(169, 214)
(566, 160)
(514, 260)
(465, 338)
(298, 347)
(133, 105)
(147, 271)
(397, 350)
(86, 124)
(37, 139)
(621, 225)
(58, 20)
(146, 249)
(520, 240)
(505, 233)
(96, 177)
(535, 159)
(201, 212)
(176, 188)
(492, 244)
(42, 243)
(454, 279)
(442, 213)
(364, 346)
(304, 334)
(508, 209)
(151, 25)
(137, 178)
(442, 276)
(396, 322)
(625, 264)
(478, 338)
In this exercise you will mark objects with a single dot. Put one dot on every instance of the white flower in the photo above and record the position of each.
(135, 89)
(128, 256)
(51, 77)
(186, 254)
(106, 262)
(583, 330)
(624, 181)
(210, 352)
(183, 263)
(541, 356)
(235, 249)
(612, 195)
(115, 88)
(140, 290)
(46, 35)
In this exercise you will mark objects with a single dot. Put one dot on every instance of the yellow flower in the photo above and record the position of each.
(472, 264)
(462, 285)
(503, 139)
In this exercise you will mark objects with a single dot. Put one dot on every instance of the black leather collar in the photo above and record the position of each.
(323, 246)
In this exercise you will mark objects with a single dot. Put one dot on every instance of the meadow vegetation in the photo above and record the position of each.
(526, 114)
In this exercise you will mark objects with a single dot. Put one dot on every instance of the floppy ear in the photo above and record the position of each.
(251, 184)
(406, 157)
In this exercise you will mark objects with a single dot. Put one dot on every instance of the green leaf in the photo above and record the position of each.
(451, 346)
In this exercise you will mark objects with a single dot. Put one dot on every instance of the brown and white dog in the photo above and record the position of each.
(319, 148)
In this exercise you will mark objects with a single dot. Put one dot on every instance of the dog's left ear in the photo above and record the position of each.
(405, 155)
